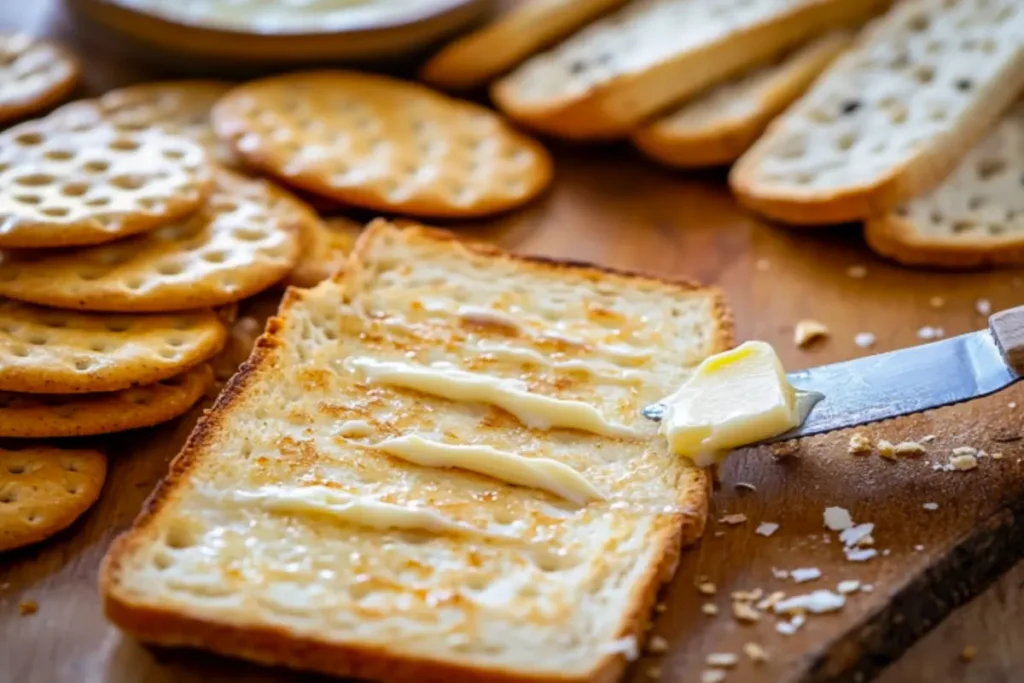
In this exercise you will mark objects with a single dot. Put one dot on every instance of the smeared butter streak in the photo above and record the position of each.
(533, 410)
(539, 473)
(596, 369)
(488, 316)
(366, 512)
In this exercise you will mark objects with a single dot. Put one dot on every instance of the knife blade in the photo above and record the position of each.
(912, 380)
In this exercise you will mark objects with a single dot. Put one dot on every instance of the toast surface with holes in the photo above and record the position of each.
(974, 218)
(715, 128)
(293, 529)
(652, 54)
(890, 118)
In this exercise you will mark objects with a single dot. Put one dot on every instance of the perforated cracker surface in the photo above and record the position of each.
(925, 80)
(381, 143)
(44, 490)
(245, 239)
(179, 107)
(34, 74)
(47, 351)
(63, 415)
(74, 180)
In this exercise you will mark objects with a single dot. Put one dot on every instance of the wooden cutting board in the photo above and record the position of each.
(612, 207)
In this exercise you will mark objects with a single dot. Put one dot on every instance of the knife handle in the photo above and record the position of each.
(1008, 330)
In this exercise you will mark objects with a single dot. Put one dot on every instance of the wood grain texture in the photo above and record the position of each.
(612, 207)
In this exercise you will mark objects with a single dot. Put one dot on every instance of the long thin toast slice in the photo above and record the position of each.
(310, 522)
(525, 28)
(891, 117)
(974, 218)
(652, 54)
(716, 127)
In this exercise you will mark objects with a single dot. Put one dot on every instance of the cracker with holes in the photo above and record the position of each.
(381, 143)
(717, 127)
(890, 118)
(34, 75)
(606, 79)
(44, 490)
(327, 249)
(492, 50)
(974, 218)
(179, 107)
(64, 415)
(68, 181)
(46, 351)
(244, 240)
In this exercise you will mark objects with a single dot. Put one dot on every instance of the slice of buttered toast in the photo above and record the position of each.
(974, 218)
(432, 468)
(716, 127)
(891, 117)
(603, 81)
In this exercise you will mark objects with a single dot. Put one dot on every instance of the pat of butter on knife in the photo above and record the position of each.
(733, 398)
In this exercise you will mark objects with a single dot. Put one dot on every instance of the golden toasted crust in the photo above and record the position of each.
(54, 415)
(382, 144)
(46, 351)
(44, 490)
(34, 75)
(895, 237)
(527, 27)
(270, 645)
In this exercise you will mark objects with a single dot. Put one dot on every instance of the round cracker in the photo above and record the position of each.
(74, 179)
(327, 246)
(244, 240)
(179, 107)
(34, 416)
(44, 490)
(34, 74)
(45, 351)
(381, 143)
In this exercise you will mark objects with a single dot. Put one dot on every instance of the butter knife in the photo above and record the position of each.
(911, 380)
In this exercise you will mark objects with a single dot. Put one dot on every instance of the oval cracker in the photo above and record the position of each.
(44, 490)
(34, 74)
(35, 416)
(244, 240)
(381, 143)
(72, 179)
(45, 351)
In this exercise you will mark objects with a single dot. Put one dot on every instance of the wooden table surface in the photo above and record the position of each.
(612, 207)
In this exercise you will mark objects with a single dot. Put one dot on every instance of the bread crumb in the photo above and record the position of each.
(936, 302)
(805, 574)
(864, 340)
(929, 332)
(859, 445)
(867, 588)
(745, 486)
(857, 535)
(919, 547)
(1011, 405)
(807, 331)
(963, 462)
(657, 645)
(747, 596)
(861, 554)
(770, 601)
(755, 652)
(983, 306)
(27, 607)
(818, 602)
(709, 608)
(766, 528)
(722, 659)
(738, 518)
(712, 676)
(848, 586)
(743, 612)
(837, 518)
(780, 573)
(965, 450)
(786, 628)
(927, 439)
(857, 271)
(886, 449)
(969, 653)
(997, 456)
(931, 507)
(908, 449)
(707, 588)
